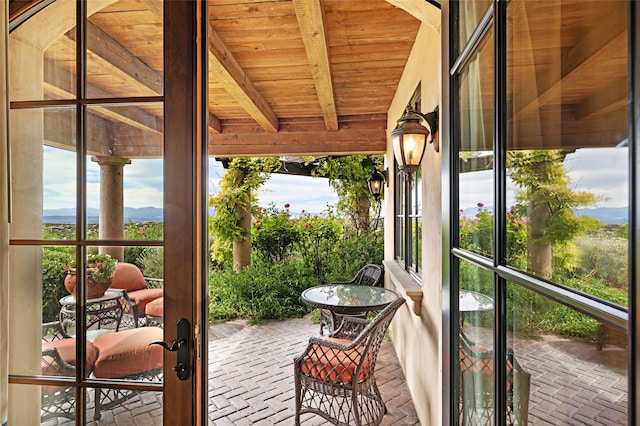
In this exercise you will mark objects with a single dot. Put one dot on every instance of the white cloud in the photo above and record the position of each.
(601, 171)
(300, 192)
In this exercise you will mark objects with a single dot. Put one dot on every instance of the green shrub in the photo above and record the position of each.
(318, 238)
(261, 291)
(273, 233)
(54, 263)
(604, 257)
(152, 262)
(353, 252)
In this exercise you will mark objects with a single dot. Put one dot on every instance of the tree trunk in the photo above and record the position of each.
(362, 212)
(242, 248)
(539, 253)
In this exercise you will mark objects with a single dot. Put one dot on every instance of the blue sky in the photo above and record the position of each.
(602, 171)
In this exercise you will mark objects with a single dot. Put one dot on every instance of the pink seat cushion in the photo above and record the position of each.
(155, 308)
(127, 352)
(128, 277)
(143, 297)
(67, 351)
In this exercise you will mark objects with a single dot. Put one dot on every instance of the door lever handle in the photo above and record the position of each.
(182, 347)
(175, 345)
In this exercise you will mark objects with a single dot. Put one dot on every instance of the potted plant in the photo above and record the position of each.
(100, 270)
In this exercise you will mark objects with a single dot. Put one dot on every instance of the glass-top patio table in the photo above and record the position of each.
(348, 299)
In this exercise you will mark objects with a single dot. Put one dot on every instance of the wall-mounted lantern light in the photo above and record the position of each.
(376, 182)
(410, 138)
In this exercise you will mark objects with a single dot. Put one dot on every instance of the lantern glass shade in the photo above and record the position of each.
(408, 149)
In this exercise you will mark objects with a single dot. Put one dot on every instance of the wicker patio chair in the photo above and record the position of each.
(369, 275)
(335, 377)
(136, 293)
(476, 386)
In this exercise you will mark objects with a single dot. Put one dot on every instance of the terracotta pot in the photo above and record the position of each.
(95, 289)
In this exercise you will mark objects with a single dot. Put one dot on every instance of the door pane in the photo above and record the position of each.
(475, 306)
(43, 184)
(125, 171)
(570, 369)
(476, 183)
(43, 57)
(568, 152)
(125, 50)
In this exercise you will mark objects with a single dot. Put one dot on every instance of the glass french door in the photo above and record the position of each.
(106, 155)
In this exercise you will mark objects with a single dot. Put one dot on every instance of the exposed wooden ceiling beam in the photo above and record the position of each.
(226, 70)
(106, 52)
(611, 98)
(341, 142)
(592, 49)
(56, 79)
(421, 10)
(311, 22)
(214, 124)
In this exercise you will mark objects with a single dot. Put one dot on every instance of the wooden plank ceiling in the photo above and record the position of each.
(286, 77)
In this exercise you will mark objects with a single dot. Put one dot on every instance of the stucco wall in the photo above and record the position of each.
(417, 338)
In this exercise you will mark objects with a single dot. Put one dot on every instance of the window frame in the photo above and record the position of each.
(408, 211)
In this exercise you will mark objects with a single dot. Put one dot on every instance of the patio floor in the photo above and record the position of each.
(573, 383)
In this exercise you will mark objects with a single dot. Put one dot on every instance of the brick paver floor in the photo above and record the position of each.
(251, 380)
(251, 375)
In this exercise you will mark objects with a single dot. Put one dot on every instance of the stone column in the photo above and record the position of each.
(111, 217)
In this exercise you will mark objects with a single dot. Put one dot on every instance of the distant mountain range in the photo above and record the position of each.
(606, 215)
(68, 215)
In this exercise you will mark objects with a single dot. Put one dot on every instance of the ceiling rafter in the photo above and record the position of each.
(233, 78)
(592, 49)
(311, 22)
(344, 142)
(116, 56)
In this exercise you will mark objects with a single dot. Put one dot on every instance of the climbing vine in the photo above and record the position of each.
(237, 192)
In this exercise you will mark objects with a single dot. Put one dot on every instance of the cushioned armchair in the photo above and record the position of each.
(335, 377)
(137, 293)
(59, 359)
(371, 275)
(476, 386)
(123, 354)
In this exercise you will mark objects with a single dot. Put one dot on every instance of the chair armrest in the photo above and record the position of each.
(52, 359)
(53, 329)
(128, 305)
(154, 282)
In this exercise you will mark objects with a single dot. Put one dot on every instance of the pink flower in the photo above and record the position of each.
(286, 206)
(302, 211)
(461, 210)
(306, 225)
(481, 205)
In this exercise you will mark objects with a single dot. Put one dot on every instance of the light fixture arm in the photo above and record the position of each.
(431, 118)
